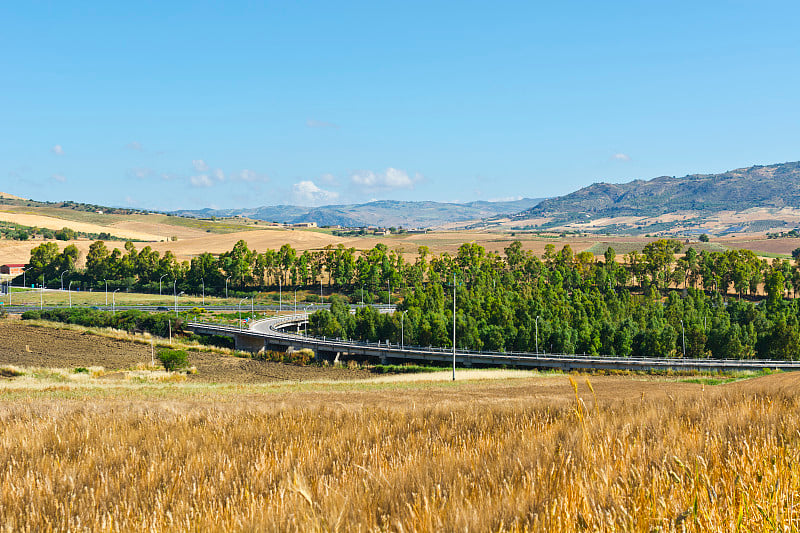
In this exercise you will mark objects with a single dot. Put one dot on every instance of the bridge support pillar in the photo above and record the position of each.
(246, 343)
(327, 356)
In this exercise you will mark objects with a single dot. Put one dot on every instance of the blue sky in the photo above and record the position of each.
(170, 105)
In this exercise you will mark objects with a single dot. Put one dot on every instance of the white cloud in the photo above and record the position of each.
(321, 124)
(621, 157)
(200, 165)
(134, 145)
(140, 173)
(250, 176)
(505, 199)
(306, 192)
(59, 178)
(57, 149)
(218, 174)
(328, 178)
(391, 178)
(201, 180)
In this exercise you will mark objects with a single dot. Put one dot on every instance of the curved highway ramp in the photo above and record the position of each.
(286, 333)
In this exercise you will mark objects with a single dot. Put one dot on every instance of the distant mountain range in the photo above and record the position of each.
(769, 189)
(773, 186)
(383, 213)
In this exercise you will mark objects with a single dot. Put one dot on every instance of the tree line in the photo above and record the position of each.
(656, 303)
(660, 301)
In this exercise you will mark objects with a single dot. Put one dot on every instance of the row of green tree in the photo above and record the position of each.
(660, 264)
(662, 300)
(567, 303)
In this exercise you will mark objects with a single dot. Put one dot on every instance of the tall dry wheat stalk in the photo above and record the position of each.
(722, 462)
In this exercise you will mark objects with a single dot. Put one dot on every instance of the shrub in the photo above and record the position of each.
(10, 372)
(212, 340)
(173, 359)
(156, 323)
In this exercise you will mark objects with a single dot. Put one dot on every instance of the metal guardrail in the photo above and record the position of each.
(396, 351)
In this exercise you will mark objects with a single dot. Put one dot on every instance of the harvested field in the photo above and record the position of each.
(22, 345)
(773, 246)
(256, 239)
(41, 221)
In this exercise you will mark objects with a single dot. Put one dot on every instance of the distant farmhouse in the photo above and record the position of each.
(12, 269)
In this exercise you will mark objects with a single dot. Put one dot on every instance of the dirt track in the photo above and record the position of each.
(27, 346)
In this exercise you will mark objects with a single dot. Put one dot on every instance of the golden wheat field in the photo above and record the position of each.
(527, 454)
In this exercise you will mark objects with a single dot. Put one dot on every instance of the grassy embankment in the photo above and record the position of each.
(21, 296)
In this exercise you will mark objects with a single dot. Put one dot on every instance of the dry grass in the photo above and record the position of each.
(723, 458)
(42, 221)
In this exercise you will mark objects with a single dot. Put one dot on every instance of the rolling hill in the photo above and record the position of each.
(770, 193)
(384, 213)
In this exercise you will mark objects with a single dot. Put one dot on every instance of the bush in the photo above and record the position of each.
(156, 323)
(302, 357)
(212, 340)
(173, 359)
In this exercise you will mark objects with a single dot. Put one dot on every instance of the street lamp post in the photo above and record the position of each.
(69, 290)
(240, 311)
(454, 326)
(389, 285)
(280, 294)
(159, 285)
(226, 286)
(402, 331)
(41, 294)
(683, 334)
(175, 294)
(305, 325)
(537, 333)
(203, 280)
(62, 279)
(114, 302)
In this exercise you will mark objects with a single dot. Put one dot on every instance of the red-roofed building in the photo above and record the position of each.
(14, 270)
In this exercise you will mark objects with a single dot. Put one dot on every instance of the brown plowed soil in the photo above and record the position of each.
(28, 346)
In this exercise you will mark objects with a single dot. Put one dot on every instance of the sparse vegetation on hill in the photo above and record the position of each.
(18, 232)
(75, 206)
(697, 198)
(759, 186)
